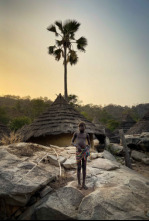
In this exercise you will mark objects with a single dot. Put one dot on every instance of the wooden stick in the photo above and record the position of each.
(125, 149)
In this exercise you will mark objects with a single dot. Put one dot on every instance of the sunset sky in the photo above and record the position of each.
(114, 69)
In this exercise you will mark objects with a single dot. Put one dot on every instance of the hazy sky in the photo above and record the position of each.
(114, 69)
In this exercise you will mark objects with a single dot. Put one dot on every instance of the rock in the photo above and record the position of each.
(96, 142)
(45, 191)
(145, 161)
(115, 203)
(54, 161)
(144, 144)
(104, 164)
(107, 141)
(107, 155)
(115, 149)
(144, 134)
(138, 155)
(94, 155)
(60, 205)
(70, 163)
(15, 187)
(138, 142)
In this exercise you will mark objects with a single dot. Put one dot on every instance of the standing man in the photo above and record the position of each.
(82, 152)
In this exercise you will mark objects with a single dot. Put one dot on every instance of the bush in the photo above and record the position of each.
(19, 122)
(113, 124)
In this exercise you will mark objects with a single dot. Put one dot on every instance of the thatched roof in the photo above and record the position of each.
(59, 118)
(140, 126)
(3, 130)
(126, 123)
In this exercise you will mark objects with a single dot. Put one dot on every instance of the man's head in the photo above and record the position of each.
(82, 126)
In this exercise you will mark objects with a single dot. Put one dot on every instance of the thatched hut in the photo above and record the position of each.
(126, 123)
(3, 131)
(57, 124)
(141, 126)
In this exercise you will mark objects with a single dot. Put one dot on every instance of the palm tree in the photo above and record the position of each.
(64, 47)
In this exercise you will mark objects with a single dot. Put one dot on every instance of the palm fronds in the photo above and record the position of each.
(81, 43)
(52, 28)
(71, 26)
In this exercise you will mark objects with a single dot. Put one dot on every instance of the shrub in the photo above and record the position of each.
(19, 122)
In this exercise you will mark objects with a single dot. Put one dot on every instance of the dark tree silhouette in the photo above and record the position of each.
(64, 47)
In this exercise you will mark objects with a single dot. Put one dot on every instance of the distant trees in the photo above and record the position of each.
(19, 122)
(16, 112)
(64, 47)
(3, 115)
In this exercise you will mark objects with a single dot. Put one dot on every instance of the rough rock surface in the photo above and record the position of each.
(138, 141)
(115, 192)
(70, 163)
(115, 149)
(136, 155)
(53, 160)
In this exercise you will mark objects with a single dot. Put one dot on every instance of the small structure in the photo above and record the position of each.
(126, 123)
(57, 124)
(3, 131)
(141, 126)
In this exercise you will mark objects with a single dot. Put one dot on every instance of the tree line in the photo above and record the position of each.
(15, 112)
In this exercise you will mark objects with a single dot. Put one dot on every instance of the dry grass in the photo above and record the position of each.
(11, 138)
(25, 151)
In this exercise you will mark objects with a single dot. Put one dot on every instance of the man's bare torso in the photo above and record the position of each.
(81, 140)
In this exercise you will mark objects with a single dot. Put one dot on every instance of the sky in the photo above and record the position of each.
(114, 69)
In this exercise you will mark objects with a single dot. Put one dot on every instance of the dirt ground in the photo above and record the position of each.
(141, 169)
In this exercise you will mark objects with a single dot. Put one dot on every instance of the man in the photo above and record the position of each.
(82, 152)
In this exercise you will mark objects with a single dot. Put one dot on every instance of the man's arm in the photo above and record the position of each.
(73, 139)
(88, 139)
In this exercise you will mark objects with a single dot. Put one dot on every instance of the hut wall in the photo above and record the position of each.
(61, 140)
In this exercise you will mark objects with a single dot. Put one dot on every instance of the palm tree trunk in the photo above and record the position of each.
(65, 73)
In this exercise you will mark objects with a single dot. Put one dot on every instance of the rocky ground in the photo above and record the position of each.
(31, 186)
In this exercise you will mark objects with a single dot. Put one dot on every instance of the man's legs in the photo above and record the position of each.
(79, 173)
(84, 173)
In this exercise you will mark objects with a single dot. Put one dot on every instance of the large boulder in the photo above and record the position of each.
(104, 164)
(70, 163)
(22, 177)
(56, 161)
(115, 149)
(118, 195)
(138, 156)
(138, 141)
(107, 155)
(60, 205)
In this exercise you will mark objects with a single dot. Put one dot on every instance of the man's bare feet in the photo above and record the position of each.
(79, 187)
(84, 187)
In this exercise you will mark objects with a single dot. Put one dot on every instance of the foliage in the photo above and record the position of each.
(66, 32)
(12, 107)
(19, 122)
(73, 100)
(3, 115)
(113, 124)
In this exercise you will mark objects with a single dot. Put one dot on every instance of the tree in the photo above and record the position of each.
(64, 47)
(19, 122)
